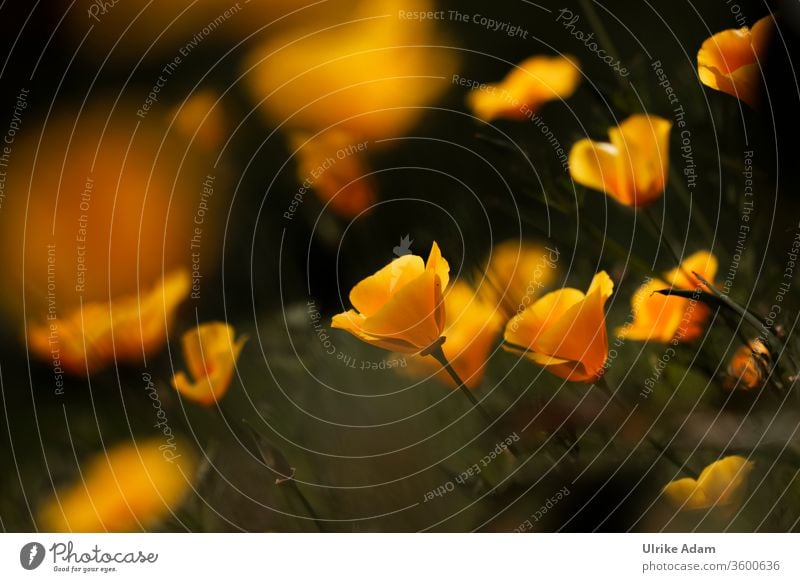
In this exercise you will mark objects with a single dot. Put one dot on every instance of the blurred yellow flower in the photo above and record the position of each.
(471, 329)
(720, 484)
(633, 167)
(668, 318)
(749, 367)
(526, 88)
(125, 330)
(130, 487)
(200, 117)
(211, 353)
(565, 331)
(400, 307)
(731, 60)
(371, 73)
(516, 273)
(332, 163)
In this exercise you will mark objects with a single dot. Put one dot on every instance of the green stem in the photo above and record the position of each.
(665, 451)
(435, 350)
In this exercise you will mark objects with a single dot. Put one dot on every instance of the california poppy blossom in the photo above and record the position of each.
(400, 307)
(211, 353)
(526, 88)
(720, 484)
(471, 329)
(731, 60)
(333, 164)
(516, 274)
(749, 367)
(368, 72)
(123, 330)
(565, 331)
(129, 487)
(669, 318)
(632, 168)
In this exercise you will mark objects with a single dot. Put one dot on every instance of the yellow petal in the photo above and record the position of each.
(372, 293)
(526, 88)
(633, 168)
(211, 354)
(702, 262)
(731, 61)
(596, 166)
(643, 142)
(125, 488)
(413, 315)
(685, 493)
(721, 483)
(516, 273)
(353, 323)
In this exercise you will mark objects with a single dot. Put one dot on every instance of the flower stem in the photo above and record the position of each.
(665, 451)
(435, 350)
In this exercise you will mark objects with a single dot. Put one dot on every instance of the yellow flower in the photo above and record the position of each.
(526, 88)
(665, 318)
(124, 330)
(332, 163)
(516, 273)
(722, 483)
(369, 73)
(211, 354)
(400, 307)
(731, 60)
(471, 329)
(127, 488)
(565, 331)
(633, 167)
(201, 118)
(749, 367)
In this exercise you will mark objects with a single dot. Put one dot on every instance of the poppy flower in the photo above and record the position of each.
(632, 168)
(669, 318)
(332, 163)
(126, 488)
(516, 274)
(526, 88)
(124, 330)
(371, 72)
(731, 60)
(565, 331)
(400, 307)
(720, 484)
(211, 353)
(749, 367)
(471, 329)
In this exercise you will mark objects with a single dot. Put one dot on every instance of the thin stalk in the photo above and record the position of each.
(435, 350)
(665, 451)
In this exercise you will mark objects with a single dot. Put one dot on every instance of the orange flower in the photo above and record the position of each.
(211, 354)
(565, 331)
(127, 488)
(471, 328)
(749, 367)
(668, 318)
(124, 330)
(516, 273)
(200, 117)
(369, 73)
(526, 88)
(632, 169)
(722, 483)
(400, 307)
(333, 164)
(731, 60)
